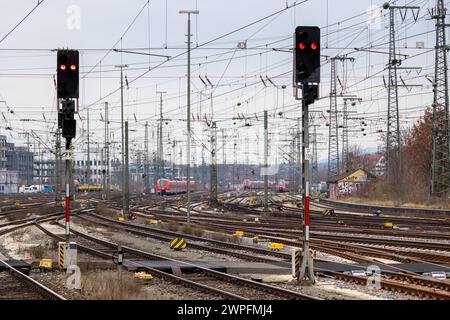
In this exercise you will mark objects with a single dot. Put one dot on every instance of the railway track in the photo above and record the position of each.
(235, 287)
(418, 212)
(398, 281)
(16, 285)
(279, 234)
(247, 253)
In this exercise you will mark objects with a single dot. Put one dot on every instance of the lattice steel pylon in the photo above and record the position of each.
(333, 129)
(345, 144)
(393, 138)
(333, 141)
(393, 144)
(440, 171)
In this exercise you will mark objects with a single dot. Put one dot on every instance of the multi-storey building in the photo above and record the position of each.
(21, 160)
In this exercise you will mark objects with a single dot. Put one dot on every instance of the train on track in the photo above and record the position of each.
(256, 184)
(86, 188)
(169, 187)
(280, 186)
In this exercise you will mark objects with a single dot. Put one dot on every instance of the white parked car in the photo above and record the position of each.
(32, 189)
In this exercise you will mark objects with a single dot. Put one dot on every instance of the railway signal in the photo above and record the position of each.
(68, 74)
(307, 55)
(306, 76)
(66, 119)
(67, 88)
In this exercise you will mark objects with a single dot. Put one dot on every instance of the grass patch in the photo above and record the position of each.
(104, 210)
(189, 229)
(105, 285)
(38, 252)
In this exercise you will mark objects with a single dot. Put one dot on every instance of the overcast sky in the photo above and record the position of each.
(27, 68)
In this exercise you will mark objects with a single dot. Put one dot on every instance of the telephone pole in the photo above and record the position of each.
(440, 174)
(188, 182)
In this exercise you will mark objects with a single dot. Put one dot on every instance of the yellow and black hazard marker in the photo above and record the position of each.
(178, 244)
(61, 256)
(328, 212)
(296, 254)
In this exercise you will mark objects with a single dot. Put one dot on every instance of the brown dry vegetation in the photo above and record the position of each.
(105, 285)
(104, 210)
(411, 186)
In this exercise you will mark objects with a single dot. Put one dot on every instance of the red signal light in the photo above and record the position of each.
(302, 46)
(314, 46)
(73, 67)
(63, 67)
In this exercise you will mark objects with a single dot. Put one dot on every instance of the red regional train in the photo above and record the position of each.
(282, 186)
(166, 186)
(256, 185)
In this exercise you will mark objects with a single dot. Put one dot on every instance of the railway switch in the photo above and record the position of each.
(117, 256)
(67, 254)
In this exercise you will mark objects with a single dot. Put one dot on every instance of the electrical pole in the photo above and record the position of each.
(266, 164)
(333, 126)
(146, 173)
(315, 166)
(306, 269)
(213, 174)
(440, 174)
(124, 204)
(224, 158)
(393, 139)
(160, 137)
(333, 144)
(57, 165)
(299, 157)
(188, 183)
(174, 157)
(88, 174)
(345, 145)
(126, 209)
(40, 165)
(107, 163)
